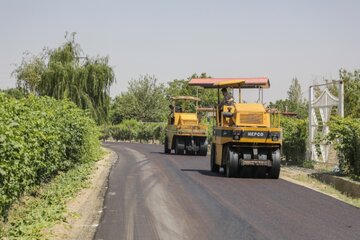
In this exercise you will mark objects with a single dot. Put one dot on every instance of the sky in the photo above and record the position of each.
(280, 39)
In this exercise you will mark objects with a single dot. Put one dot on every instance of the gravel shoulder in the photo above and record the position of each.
(84, 211)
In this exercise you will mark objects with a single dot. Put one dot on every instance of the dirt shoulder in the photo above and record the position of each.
(84, 211)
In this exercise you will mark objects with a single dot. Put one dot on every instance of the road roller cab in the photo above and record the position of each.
(184, 133)
(247, 137)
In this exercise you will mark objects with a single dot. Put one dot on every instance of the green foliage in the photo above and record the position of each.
(295, 94)
(181, 88)
(29, 72)
(159, 130)
(308, 164)
(63, 73)
(104, 131)
(130, 130)
(148, 101)
(17, 93)
(28, 219)
(345, 135)
(210, 122)
(40, 137)
(119, 132)
(294, 139)
(121, 108)
(131, 127)
(289, 106)
(144, 101)
(351, 92)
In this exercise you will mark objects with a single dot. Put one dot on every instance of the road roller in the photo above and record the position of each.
(184, 132)
(247, 137)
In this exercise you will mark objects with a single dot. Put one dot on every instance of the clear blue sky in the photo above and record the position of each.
(308, 39)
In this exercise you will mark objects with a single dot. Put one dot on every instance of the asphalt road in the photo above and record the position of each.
(152, 195)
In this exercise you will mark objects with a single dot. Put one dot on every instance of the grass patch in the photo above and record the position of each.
(355, 177)
(46, 206)
(308, 164)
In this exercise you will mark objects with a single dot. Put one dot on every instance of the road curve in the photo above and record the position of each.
(152, 195)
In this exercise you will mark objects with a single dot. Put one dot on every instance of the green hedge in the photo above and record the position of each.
(130, 130)
(38, 138)
(294, 139)
(345, 135)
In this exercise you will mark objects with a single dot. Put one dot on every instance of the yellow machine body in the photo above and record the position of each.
(247, 138)
(248, 126)
(184, 133)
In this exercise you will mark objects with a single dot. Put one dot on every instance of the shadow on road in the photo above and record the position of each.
(162, 153)
(182, 156)
(203, 172)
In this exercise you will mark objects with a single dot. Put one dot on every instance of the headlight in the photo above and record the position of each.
(275, 137)
(237, 135)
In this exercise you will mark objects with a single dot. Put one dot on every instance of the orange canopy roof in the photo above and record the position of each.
(260, 82)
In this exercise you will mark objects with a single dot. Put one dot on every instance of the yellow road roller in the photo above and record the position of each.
(247, 137)
(184, 133)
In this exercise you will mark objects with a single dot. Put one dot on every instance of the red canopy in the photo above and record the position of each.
(259, 82)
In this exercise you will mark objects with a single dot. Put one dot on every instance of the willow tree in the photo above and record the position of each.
(66, 74)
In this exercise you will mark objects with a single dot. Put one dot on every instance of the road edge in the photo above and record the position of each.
(319, 186)
(83, 218)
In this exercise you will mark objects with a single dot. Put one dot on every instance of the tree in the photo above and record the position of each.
(181, 88)
(121, 108)
(351, 81)
(294, 102)
(63, 73)
(28, 73)
(282, 105)
(144, 101)
(295, 94)
(351, 92)
(147, 101)
(345, 135)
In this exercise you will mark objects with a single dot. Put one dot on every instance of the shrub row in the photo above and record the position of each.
(38, 138)
(345, 135)
(132, 130)
(294, 139)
